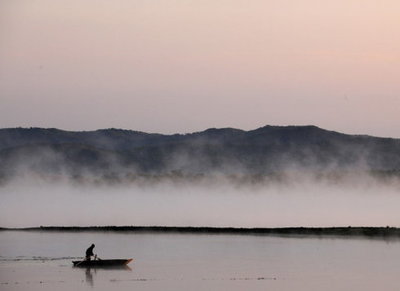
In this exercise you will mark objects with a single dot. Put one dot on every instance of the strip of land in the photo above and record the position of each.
(285, 231)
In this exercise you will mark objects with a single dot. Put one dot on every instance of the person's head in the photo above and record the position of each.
(92, 245)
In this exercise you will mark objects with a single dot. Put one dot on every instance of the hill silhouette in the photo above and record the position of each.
(117, 154)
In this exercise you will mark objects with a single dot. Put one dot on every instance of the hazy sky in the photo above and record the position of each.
(182, 66)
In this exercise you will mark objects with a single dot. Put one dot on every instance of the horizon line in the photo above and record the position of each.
(329, 231)
(195, 132)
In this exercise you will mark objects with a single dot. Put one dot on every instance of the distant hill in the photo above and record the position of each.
(119, 153)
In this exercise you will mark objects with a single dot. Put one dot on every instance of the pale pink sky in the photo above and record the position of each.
(180, 66)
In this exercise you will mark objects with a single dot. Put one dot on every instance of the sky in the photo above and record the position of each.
(171, 66)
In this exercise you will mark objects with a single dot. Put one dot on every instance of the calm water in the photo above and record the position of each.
(42, 261)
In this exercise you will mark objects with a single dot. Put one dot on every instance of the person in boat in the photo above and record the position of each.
(89, 252)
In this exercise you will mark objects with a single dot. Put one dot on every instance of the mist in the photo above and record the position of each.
(268, 177)
(298, 200)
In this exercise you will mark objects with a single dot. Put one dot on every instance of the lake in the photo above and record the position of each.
(299, 204)
(39, 260)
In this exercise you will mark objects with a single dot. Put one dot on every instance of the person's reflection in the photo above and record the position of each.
(89, 272)
(89, 277)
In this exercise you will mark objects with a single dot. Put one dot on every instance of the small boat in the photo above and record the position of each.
(102, 263)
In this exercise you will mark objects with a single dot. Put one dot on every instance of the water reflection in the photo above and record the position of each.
(92, 273)
(89, 277)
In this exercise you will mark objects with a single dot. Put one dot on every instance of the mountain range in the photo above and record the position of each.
(125, 153)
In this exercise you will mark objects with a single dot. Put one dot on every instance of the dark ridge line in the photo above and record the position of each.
(303, 231)
(205, 130)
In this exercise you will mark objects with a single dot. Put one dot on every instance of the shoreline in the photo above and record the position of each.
(348, 231)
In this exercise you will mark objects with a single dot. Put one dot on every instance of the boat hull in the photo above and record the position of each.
(102, 263)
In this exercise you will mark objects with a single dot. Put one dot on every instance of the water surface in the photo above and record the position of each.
(42, 261)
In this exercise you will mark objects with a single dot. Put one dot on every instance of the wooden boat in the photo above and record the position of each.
(102, 263)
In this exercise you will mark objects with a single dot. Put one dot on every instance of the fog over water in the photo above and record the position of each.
(299, 200)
